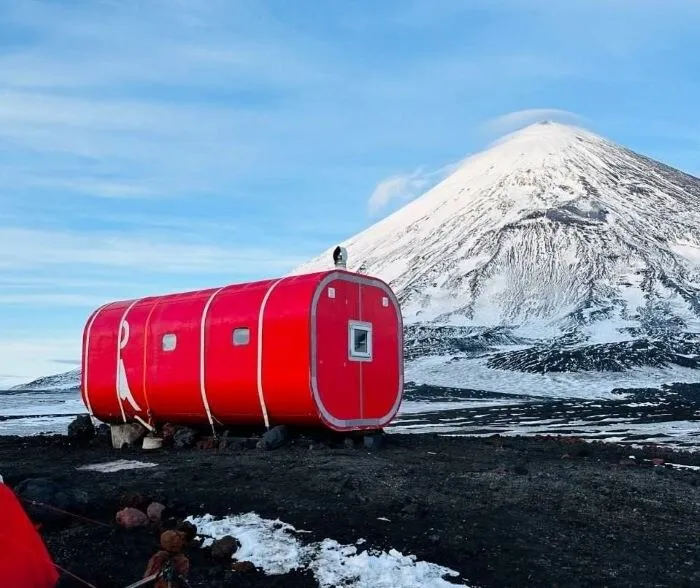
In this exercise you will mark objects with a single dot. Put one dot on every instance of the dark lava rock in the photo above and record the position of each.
(374, 442)
(243, 566)
(184, 438)
(275, 438)
(188, 529)
(168, 433)
(224, 548)
(81, 430)
(38, 494)
(103, 433)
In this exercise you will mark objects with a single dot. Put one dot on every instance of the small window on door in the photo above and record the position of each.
(169, 342)
(360, 340)
(241, 336)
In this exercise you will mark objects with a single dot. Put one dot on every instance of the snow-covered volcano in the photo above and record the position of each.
(551, 229)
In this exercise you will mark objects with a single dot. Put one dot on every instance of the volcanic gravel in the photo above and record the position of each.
(501, 511)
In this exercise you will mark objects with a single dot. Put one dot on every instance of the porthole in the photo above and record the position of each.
(169, 342)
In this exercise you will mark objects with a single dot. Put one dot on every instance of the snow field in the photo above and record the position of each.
(273, 547)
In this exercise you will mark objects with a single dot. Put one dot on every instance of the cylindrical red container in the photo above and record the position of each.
(315, 349)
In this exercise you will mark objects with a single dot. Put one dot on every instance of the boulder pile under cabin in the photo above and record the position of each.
(322, 350)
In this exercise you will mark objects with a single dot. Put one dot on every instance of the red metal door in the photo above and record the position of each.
(337, 375)
(380, 373)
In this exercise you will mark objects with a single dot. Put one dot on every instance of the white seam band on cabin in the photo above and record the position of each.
(261, 394)
(202, 383)
(87, 356)
(119, 355)
(362, 363)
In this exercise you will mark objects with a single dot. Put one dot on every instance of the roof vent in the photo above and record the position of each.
(340, 257)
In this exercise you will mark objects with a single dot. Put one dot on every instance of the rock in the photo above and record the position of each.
(275, 438)
(173, 541)
(434, 538)
(127, 434)
(224, 548)
(243, 566)
(179, 563)
(81, 430)
(410, 509)
(188, 530)
(348, 482)
(133, 500)
(130, 518)
(628, 462)
(208, 443)
(374, 441)
(657, 461)
(566, 456)
(184, 438)
(168, 433)
(155, 512)
(45, 491)
(103, 433)
(349, 443)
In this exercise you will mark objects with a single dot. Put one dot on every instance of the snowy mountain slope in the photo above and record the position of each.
(68, 381)
(553, 229)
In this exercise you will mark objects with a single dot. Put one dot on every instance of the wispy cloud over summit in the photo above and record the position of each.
(512, 121)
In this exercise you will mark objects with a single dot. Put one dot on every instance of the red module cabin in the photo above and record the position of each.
(316, 349)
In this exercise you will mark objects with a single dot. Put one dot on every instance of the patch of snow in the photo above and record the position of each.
(30, 426)
(422, 407)
(690, 251)
(40, 403)
(474, 374)
(272, 546)
(684, 467)
(267, 544)
(117, 466)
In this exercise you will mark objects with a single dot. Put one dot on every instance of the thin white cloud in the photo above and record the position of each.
(512, 121)
(402, 188)
(22, 248)
(47, 300)
(97, 187)
(395, 187)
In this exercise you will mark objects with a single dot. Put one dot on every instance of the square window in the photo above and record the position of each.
(169, 342)
(360, 341)
(241, 336)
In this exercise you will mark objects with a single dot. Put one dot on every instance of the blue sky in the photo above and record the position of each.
(151, 146)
